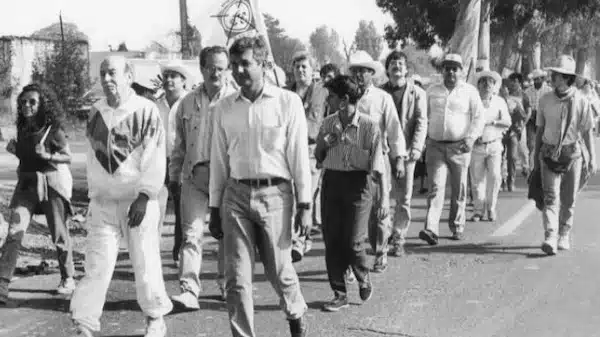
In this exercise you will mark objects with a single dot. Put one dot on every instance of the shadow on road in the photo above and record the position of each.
(470, 248)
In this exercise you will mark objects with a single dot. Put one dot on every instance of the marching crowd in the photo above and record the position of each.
(274, 166)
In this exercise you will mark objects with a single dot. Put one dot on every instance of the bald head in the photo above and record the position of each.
(116, 76)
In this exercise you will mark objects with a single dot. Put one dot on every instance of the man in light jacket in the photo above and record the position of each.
(411, 104)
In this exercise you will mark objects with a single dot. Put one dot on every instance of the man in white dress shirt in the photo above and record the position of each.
(259, 168)
(456, 120)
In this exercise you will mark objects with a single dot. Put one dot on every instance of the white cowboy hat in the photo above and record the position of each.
(362, 59)
(417, 78)
(537, 73)
(178, 67)
(488, 73)
(564, 65)
(453, 59)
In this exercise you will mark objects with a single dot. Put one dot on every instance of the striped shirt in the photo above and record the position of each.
(358, 148)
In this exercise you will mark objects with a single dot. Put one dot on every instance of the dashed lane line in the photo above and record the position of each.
(508, 227)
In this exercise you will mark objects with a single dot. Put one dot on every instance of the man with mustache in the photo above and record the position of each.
(411, 104)
(190, 164)
(313, 97)
(455, 114)
(380, 106)
(174, 77)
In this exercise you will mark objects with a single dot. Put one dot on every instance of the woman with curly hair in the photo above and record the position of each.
(44, 183)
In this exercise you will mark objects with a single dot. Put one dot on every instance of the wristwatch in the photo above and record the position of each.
(303, 205)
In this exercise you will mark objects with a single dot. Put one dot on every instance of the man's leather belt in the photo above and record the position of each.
(260, 183)
(203, 163)
(478, 142)
(447, 141)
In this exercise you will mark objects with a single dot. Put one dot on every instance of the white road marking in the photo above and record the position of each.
(516, 220)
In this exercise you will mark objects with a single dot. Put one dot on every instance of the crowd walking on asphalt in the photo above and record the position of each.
(272, 166)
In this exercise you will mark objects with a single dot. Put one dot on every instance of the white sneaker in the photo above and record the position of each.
(155, 327)
(549, 245)
(187, 299)
(66, 286)
(564, 242)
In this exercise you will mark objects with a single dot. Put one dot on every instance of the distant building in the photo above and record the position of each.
(17, 56)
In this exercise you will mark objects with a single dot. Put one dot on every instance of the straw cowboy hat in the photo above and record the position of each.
(488, 73)
(564, 65)
(453, 59)
(483, 70)
(537, 73)
(178, 67)
(362, 59)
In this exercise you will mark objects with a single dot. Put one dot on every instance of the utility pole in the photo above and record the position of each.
(183, 21)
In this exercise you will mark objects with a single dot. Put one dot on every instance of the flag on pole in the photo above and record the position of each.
(224, 21)
(464, 41)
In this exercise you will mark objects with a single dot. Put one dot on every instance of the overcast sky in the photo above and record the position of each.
(137, 22)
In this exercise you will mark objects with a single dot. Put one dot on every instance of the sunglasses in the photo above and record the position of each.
(31, 101)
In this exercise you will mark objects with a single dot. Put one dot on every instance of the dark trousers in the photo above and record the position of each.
(346, 201)
(512, 154)
(23, 207)
(176, 197)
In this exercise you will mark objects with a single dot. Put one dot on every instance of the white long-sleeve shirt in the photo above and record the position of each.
(261, 139)
(380, 106)
(168, 115)
(454, 115)
(126, 152)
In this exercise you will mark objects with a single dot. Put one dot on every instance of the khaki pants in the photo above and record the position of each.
(445, 159)
(262, 218)
(486, 176)
(194, 208)
(402, 192)
(560, 191)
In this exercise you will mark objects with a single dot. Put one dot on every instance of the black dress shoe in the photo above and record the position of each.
(298, 327)
(428, 236)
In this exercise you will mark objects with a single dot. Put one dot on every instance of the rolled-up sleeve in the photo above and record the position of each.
(297, 150)
(377, 157)
(219, 160)
(395, 135)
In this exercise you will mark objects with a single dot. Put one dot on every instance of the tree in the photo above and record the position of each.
(430, 21)
(194, 40)
(122, 47)
(367, 39)
(65, 70)
(283, 47)
(52, 32)
(325, 43)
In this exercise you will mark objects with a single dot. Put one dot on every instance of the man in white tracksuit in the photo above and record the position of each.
(126, 163)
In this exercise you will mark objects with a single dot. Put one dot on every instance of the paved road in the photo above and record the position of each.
(496, 283)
